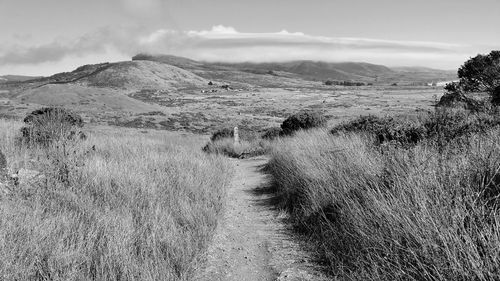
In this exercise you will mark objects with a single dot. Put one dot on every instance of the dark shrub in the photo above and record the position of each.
(455, 96)
(495, 96)
(443, 126)
(222, 134)
(303, 120)
(49, 124)
(272, 133)
(61, 114)
(385, 129)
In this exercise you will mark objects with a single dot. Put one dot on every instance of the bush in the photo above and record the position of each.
(455, 96)
(302, 121)
(385, 129)
(49, 124)
(272, 133)
(443, 126)
(495, 97)
(222, 134)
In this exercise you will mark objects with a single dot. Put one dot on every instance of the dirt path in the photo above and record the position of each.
(252, 242)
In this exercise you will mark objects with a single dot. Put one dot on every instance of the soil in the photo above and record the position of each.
(253, 241)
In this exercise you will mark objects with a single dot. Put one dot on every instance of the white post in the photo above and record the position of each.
(236, 136)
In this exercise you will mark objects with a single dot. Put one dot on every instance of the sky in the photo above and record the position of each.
(43, 37)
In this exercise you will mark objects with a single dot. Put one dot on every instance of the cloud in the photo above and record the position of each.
(223, 43)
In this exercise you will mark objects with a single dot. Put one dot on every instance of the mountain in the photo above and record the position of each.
(308, 70)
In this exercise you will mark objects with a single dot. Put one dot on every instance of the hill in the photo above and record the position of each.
(130, 75)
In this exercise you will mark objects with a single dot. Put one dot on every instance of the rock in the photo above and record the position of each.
(28, 177)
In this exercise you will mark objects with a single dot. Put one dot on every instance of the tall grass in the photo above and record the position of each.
(116, 206)
(388, 213)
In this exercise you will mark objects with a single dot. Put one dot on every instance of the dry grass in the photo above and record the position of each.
(135, 208)
(390, 213)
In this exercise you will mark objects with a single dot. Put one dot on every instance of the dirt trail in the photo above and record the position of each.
(252, 242)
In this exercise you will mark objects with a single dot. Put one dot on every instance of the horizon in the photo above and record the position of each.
(41, 39)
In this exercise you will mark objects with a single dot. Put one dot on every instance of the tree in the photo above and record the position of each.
(481, 73)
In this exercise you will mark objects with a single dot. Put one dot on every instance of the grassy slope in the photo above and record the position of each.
(136, 208)
(416, 214)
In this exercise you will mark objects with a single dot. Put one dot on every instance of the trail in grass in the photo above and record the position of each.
(252, 242)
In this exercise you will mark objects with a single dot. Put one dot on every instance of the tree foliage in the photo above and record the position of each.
(481, 73)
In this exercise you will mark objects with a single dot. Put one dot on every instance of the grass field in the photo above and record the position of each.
(393, 213)
(117, 206)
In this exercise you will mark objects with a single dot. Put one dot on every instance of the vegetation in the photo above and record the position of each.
(423, 212)
(441, 126)
(222, 142)
(303, 120)
(272, 133)
(253, 144)
(479, 74)
(50, 124)
(344, 83)
(222, 134)
(116, 206)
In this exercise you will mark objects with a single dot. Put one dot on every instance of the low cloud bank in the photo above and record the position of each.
(226, 44)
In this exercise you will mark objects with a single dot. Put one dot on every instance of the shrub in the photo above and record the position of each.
(49, 124)
(302, 121)
(385, 129)
(495, 97)
(443, 126)
(222, 134)
(455, 96)
(272, 133)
